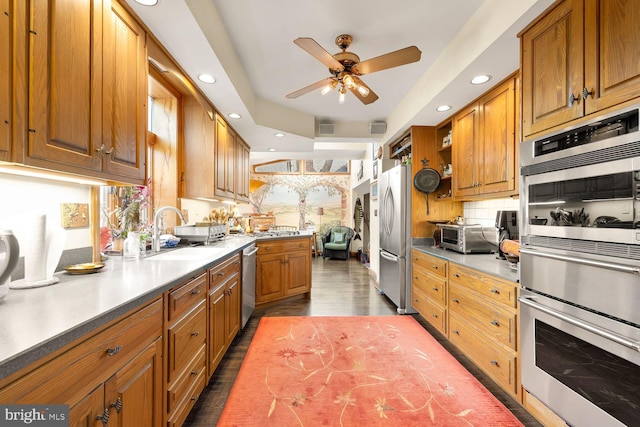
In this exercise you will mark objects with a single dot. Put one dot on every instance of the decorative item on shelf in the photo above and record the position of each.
(447, 170)
(446, 141)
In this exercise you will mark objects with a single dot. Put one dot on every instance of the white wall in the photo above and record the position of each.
(484, 212)
(23, 197)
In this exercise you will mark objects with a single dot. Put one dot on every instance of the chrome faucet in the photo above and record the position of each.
(156, 226)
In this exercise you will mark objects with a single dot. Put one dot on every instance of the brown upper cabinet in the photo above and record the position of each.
(581, 57)
(225, 141)
(483, 148)
(6, 73)
(85, 85)
(242, 170)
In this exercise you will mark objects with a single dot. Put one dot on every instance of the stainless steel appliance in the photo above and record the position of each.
(468, 238)
(248, 282)
(395, 236)
(580, 270)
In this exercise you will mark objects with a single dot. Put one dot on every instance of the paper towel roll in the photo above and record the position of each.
(35, 250)
(43, 246)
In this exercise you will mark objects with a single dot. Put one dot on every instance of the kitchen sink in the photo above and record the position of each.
(187, 254)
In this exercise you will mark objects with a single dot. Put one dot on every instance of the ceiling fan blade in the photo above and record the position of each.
(318, 52)
(393, 59)
(307, 89)
(371, 97)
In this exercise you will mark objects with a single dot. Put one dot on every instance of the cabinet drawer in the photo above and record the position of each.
(186, 338)
(221, 272)
(291, 245)
(187, 296)
(498, 323)
(76, 372)
(433, 312)
(186, 381)
(490, 287)
(434, 287)
(431, 263)
(179, 415)
(498, 363)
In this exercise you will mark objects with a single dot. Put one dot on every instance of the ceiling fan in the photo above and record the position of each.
(345, 67)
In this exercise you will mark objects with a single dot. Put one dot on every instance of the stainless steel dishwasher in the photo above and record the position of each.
(248, 282)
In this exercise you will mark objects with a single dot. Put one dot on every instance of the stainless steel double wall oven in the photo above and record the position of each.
(580, 270)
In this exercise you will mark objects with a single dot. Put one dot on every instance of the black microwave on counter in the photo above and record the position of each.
(469, 238)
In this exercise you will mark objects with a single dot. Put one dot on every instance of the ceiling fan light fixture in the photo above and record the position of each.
(343, 92)
(348, 81)
(364, 91)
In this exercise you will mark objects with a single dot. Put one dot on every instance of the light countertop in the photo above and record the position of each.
(486, 263)
(35, 322)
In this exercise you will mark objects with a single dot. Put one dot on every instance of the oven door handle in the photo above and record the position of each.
(610, 335)
(583, 261)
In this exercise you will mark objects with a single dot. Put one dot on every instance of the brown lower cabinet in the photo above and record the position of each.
(115, 373)
(283, 269)
(148, 367)
(477, 312)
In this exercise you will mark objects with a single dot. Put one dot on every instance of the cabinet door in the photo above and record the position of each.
(466, 135)
(230, 160)
(65, 95)
(298, 266)
(198, 154)
(270, 277)
(6, 73)
(232, 309)
(222, 188)
(552, 68)
(134, 394)
(125, 95)
(496, 167)
(217, 333)
(612, 52)
(85, 412)
(242, 171)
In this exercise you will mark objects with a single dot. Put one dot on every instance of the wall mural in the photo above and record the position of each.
(295, 199)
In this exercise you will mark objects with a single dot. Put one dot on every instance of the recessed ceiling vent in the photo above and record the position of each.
(377, 128)
(325, 129)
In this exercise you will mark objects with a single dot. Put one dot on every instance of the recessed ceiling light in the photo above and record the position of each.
(478, 80)
(147, 2)
(207, 78)
(234, 115)
(443, 108)
(272, 149)
(279, 135)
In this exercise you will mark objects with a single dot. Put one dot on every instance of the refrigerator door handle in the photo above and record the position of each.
(388, 203)
(388, 256)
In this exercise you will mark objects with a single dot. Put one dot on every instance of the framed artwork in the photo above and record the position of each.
(360, 170)
(375, 169)
(374, 191)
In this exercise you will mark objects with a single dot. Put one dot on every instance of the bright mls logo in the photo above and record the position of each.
(34, 415)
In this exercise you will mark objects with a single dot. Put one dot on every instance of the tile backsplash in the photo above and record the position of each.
(484, 211)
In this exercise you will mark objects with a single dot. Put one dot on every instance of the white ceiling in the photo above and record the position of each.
(247, 45)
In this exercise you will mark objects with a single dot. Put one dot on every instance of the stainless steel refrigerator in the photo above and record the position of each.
(395, 236)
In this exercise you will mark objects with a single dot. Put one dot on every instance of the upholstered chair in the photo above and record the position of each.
(336, 242)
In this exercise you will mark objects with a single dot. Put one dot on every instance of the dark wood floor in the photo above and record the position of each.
(339, 288)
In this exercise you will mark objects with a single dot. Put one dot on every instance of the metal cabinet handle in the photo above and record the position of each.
(435, 315)
(195, 334)
(195, 292)
(495, 323)
(456, 275)
(434, 266)
(494, 291)
(455, 331)
(494, 363)
(113, 351)
(104, 417)
(221, 273)
(194, 372)
(117, 405)
(456, 300)
(572, 99)
(435, 289)
(586, 93)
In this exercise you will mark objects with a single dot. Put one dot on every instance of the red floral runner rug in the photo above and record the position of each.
(355, 371)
